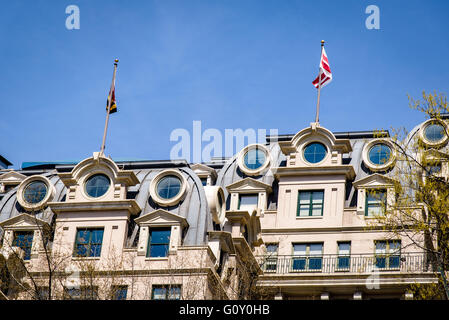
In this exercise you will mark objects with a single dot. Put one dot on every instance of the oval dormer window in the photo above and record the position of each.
(315, 152)
(35, 192)
(97, 185)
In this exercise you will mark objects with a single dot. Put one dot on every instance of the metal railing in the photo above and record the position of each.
(354, 263)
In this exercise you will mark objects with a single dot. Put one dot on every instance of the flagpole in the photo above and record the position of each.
(319, 87)
(109, 108)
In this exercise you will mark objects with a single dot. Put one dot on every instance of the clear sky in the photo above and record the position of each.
(228, 63)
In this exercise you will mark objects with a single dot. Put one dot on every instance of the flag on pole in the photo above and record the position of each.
(325, 71)
(111, 95)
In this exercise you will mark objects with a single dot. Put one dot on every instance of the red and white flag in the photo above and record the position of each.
(325, 71)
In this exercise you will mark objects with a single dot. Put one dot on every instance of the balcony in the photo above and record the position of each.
(338, 264)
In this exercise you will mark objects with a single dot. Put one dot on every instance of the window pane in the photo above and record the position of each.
(304, 197)
(97, 236)
(299, 264)
(304, 210)
(299, 249)
(248, 199)
(168, 187)
(120, 292)
(381, 247)
(174, 293)
(24, 240)
(35, 192)
(395, 246)
(315, 263)
(434, 132)
(315, 152)
(272, 248)
(317, 210)
(344, 248)
(317, 196)
(97, 185)
(160, 236)
(254, 159)
(379, 154)
(159, 250)
(159, 293)
(316, 249)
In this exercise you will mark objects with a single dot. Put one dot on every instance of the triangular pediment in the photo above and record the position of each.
(12, 178)
(201, 169)
(23, 221)
(161, 217)
(374, 180)
(248, 184)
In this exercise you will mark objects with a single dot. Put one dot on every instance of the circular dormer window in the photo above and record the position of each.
(35, 192)
(434, 132)
(168, 187)
(97, 185)
(315, 152)
(379, 155)
(254, 159)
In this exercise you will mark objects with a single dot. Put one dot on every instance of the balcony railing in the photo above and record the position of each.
(354, 263)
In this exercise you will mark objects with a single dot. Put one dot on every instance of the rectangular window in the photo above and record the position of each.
(166, 292)
(310, 203)
(272, 259)
(119, 292)
(388, 254)
(88, 242)
(158, 242)
(344, 256)
(83, 293)
(24, 240)
(248, 202)
(307, 256)
(376, 202)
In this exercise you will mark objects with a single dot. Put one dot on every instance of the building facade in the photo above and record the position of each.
(289, 219)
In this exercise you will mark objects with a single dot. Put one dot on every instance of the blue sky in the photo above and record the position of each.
(230, 64)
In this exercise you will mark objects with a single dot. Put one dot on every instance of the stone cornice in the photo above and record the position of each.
(116, 205)
(346, 170)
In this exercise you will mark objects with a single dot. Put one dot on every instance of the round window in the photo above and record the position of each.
(434, 132)
(254, 159)
(315, 152)
(169, 187)
(379, 154)
(35, 192)
(97, 185)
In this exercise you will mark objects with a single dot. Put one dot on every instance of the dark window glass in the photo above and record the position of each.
(120, 292)
(307, 256)
(388, 254)
(24, 240)
(248, 201)
(88, 243)
(35, 192)
(254, 159)
(315, 152)
(97, 185)
(168, 187)
(204, 181)
(159, 242)
(344, 258)
(434, 132)
(166, 292)
(379, 154)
